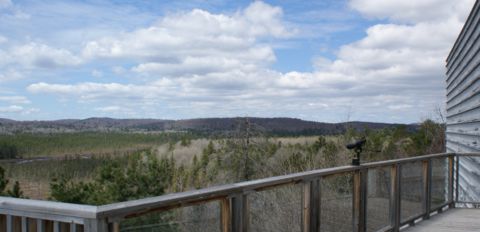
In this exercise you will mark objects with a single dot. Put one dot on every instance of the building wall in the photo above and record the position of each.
(463, 104)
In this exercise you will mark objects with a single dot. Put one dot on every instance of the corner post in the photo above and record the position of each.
(240, 220)
(457, 177)
(360, 200)
(451, 163)
(225, 212)
(427, 187)
(311, 206)
(95, 225)
(395, 196)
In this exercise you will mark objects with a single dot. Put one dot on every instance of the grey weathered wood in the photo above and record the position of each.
(451, 162)
(395, 197)
(240, 220)
(56, 227)
(457, 165)
(9, 223)
(95, 225)
(453, 220)
(47, 210)
(73, 227)
(427, 187)
(463, 103)
(40, 225)
(234, 212)
(24, 224)
(311, 206)
(123, 209)
(359, 200)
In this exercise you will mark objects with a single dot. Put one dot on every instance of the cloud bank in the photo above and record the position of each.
(201, 64)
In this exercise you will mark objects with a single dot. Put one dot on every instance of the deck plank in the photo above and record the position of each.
(452, 220)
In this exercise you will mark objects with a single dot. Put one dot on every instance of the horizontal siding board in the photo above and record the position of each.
(457, 45)
(470, 128)
(467, 116)
(463, 123)
(465, 110)
(467, 68)
(472, 48)
(468, 101)
(466, 140)
(469, 79)
(474, 134)
(459, 147)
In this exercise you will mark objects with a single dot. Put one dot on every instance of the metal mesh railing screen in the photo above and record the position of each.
(378, 201)
(336, 203)
(411, 184)
(439, 182)
(198, 218)
(278, 209)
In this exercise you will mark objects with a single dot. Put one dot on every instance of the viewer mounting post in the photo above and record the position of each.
(357, 147)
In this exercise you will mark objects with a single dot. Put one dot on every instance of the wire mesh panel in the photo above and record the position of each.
(411, 184)
(198, 218)
(278, 209)
(439, 182)
(469, 179)
(378, 198)
(336, 203)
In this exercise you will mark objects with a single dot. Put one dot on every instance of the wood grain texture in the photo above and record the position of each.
(453, 220)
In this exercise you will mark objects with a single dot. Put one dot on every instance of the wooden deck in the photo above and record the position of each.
(452, 220)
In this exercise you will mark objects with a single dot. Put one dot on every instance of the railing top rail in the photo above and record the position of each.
(134, 207)
(468, 154)
(207, 194)
(47, 209)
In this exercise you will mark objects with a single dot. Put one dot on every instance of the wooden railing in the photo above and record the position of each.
(234, 205)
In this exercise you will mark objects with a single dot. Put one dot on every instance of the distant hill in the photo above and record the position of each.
(206, 125)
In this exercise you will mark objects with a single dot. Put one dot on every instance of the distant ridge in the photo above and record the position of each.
(210, 125)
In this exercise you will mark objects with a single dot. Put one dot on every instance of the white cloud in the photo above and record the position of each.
(119, 70)
(91, 90)
(42, 56)
(197, 42)
(11, 109)
(202, 64)
(14, 99)
(109, 109)
(412, 11)
(9, 74)
(97, 73)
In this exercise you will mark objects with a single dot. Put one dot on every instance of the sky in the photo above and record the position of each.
(324, 60)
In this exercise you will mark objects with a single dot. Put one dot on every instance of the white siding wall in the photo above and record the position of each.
(463, 104)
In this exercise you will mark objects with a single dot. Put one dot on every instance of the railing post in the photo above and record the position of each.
(73, 228)
(225, 212)
(95, 225)
(395, 197)
(240, 220)
(427, 187)
(311, 206)
(450, 181)
(457, 177)
(25, 224)
(40, 225)
(360, 200)
(9, 223)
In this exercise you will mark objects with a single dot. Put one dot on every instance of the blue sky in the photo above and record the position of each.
(326, 60)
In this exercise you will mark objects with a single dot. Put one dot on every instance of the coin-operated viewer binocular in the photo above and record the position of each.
(357, 147)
